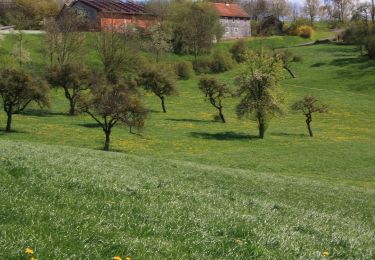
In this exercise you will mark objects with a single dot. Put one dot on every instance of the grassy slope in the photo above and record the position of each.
(287, 195)
(341, 150)
(78, 203)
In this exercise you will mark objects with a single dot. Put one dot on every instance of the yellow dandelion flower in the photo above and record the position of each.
(29, 251)
(117, 258)
(33, 258)
(128, 258)
(325, 254)
(238, 241)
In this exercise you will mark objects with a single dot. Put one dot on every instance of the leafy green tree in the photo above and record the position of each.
(309, 105)
(214, 91)
(73, 79)
(18, 89)
(160, 81)
(110, 104)
(195, 27)
(160, 39)
(259, 89)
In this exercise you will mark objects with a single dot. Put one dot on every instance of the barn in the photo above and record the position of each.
(234, 19)
(112, 13)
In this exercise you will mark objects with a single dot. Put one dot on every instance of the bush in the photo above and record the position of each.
(202, 65)
(293, 28)
(239, 50)
(221, 62)
(184, 70)
(305, 31)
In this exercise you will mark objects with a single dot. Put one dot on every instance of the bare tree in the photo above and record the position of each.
(64, 40)
(309, 105)
(286, 57)
(214, 91)
(257, 8)
(280, 8)
(311, 9)
(111, 47)
(338, 9)
(295, 11)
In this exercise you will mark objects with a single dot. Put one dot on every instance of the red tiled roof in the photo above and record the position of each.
(230, 10)
(114, 6)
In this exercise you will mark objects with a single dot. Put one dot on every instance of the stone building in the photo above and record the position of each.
(234, 19)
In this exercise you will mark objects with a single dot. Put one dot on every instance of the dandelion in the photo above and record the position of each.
(128, 258)
(29, 251)
(239, 242)
(33, 258)
(117, 258)
(325, 254)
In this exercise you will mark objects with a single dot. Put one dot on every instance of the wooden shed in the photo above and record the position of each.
(113, 13)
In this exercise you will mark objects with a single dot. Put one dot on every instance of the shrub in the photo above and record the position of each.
(184, 70)
(305, 31)
(293, 28)
(202, 65)
(221, 62)
(239, 50)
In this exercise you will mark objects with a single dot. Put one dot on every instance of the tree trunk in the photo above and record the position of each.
(107, 140)
(9, 121)
(72, 108)
(221, 114)
(308, 123)
(262, 130)
(163, 104)
(290, 72)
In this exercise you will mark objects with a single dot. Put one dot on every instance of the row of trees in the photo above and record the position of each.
(261, 97)
(110, 94)
(332, 10)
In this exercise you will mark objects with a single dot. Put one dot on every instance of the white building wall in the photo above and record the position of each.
(235, 27)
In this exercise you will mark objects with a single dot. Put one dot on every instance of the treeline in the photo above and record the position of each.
(361, 30)
(28, 14)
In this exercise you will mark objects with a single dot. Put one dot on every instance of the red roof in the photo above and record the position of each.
(114, 6)
(230, 10)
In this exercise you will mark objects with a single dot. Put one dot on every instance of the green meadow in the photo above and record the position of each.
(187, 186)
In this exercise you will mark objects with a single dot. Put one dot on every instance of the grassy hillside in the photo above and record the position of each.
(189, 187)
(342, 149)
(78, 203)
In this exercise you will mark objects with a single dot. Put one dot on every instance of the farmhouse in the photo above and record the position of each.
(112, 13)
(234, 19)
